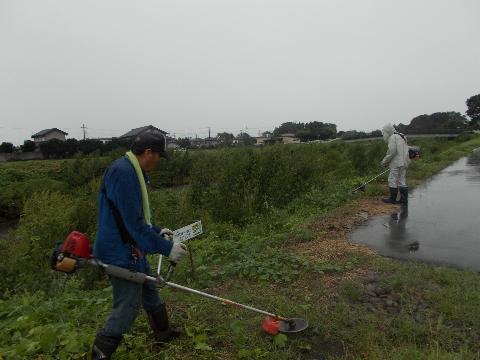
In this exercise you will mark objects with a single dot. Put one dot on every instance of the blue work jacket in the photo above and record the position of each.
(123, 188)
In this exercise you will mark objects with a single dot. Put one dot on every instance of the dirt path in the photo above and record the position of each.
(331, 230)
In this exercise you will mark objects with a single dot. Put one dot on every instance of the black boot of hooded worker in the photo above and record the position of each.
(392, 199)
(403, 196)
(104, 346)
(158, 320)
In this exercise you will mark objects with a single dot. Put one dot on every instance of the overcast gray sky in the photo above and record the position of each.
(186, 65)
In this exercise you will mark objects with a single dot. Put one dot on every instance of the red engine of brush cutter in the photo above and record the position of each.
(76, 246)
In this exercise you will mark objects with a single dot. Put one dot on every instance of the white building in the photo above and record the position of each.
(49, 134)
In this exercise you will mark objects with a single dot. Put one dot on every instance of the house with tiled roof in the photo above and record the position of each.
(129, 136)
(49, 134)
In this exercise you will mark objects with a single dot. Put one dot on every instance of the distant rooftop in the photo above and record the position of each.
(140, 130)
(47, 131)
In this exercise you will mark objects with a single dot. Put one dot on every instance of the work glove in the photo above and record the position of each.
(178, 251)
(167, 234)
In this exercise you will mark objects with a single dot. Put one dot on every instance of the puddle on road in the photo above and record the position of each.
(441, 224)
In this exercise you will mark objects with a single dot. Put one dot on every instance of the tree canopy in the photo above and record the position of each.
(438, 121)
(473, 109)
(314, 130)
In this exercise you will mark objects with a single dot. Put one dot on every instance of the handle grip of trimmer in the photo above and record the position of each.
(171, 268)
(122, 273)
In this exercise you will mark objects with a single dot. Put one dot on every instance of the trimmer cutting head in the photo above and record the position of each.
(273, 326)
(293, 325)
(360, 187)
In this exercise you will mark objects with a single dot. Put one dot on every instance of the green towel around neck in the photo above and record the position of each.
(147, 215)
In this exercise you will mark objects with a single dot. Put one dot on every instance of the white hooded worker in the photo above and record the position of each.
(397, 159)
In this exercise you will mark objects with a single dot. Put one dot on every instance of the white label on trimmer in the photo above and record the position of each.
(188, 232)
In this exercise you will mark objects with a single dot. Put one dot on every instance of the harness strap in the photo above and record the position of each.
(124, 234)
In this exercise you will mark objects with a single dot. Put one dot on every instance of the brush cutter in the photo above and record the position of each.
(362, 186)
(75, 253)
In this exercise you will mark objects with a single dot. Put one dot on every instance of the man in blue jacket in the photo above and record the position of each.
(125, 236)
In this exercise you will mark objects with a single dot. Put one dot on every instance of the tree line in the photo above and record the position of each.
(309, 131)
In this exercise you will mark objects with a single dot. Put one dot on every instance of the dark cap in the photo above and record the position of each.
(157, 142)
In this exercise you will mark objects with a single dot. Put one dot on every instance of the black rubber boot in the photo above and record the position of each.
(104, 346)
(403, 195)
(158, 320)
(393, 196)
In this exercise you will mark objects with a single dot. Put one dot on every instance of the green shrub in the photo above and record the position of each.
(47, 218)
(236, 184)
(14, 194)
(175, 172)
(78, 172)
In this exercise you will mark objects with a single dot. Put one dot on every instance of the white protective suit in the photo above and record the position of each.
(397, 158)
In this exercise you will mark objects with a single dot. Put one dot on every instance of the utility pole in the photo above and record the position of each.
(84, 132)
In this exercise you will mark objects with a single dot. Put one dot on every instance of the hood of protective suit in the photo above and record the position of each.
(387, 131)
